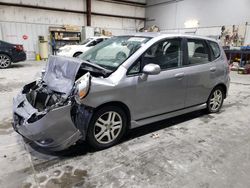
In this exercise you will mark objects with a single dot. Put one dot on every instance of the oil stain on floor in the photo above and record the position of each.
(66, 178)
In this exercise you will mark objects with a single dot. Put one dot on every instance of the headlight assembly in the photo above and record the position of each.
(82, 87)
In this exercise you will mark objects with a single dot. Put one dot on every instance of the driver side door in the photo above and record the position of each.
(165, 92)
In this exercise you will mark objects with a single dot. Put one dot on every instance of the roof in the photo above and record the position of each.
(98, 37)
(160, 35)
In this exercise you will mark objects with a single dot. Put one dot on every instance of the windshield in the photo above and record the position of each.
(114, 51)
(86, 41)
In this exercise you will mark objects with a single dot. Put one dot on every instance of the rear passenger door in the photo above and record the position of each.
(200, 71)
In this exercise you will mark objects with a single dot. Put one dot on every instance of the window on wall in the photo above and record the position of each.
(167, 54)
(198, 51)
(215, 49)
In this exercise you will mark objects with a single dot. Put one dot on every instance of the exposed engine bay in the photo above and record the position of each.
(65, 79)
(54, 101)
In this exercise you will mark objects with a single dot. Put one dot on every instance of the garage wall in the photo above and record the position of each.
(173, 14)
(170, 15)
(18, 21)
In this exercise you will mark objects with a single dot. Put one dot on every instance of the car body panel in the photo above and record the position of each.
(60, 73)
(159, 117)
(55, 130)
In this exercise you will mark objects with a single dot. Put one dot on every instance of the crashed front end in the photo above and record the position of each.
(49, 111)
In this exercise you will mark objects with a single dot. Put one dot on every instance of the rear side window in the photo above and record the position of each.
(215, 49)
(198, 51)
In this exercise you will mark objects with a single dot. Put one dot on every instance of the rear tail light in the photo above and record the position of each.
(18, 48)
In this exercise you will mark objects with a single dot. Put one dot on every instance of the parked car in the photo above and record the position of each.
(76, 50)
(10, 53)
(123, 83)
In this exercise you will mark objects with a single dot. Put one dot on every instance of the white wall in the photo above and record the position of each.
(170, 15)
(17, 21)
(208, 13)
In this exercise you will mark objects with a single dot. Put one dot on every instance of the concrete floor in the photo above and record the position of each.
(193, 150)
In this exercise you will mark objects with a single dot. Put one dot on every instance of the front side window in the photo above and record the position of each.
(197, 51)
(167, 54)
(113, 52)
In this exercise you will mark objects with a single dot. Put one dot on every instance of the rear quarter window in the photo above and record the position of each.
(215, 49)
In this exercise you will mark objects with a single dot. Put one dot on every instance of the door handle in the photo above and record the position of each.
(179, 76)
(212, 69)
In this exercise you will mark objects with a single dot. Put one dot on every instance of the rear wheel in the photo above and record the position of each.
(107, 127)
(215, 100)
(5, 61)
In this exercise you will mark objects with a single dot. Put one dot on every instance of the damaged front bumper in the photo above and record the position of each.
(53, 130)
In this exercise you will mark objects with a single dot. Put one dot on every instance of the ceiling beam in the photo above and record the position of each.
(69, 11)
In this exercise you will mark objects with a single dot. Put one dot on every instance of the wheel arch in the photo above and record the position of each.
(224, 87)
(118, 104)
(77, 52)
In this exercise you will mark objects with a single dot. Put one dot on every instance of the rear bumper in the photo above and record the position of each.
(20, 56)
(54, 131)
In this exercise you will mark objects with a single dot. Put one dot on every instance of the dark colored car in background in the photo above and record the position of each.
(10, 53)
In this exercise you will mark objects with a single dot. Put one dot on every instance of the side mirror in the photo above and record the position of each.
(150, 69)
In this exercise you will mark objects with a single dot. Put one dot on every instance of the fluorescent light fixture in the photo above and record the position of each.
(191, 23)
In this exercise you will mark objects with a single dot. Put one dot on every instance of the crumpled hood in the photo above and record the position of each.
(60, 73)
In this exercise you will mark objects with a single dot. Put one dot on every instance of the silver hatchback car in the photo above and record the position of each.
(122, 83)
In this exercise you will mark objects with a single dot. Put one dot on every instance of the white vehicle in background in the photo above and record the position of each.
(76, 50)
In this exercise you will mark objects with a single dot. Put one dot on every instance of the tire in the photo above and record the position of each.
(77, 54)
(215, 100)
(5, 61)
(103, 133)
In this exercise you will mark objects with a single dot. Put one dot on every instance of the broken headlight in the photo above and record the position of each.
(82, 87)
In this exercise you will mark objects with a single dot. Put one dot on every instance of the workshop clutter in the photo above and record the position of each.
(239, 59)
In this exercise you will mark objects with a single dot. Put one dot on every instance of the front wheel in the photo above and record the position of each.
(215, 100)
(107, 127)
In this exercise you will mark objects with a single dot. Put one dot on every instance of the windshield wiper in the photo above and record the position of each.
(97, 68)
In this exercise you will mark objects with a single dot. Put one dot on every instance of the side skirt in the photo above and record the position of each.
(141, 122)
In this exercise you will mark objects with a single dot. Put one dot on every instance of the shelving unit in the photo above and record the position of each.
(65, 35)
(242, 54)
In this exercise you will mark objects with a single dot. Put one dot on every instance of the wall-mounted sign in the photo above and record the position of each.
(25, 37)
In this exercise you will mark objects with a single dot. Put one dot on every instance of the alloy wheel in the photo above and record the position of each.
(216, 100)
(108, 127)
(4, 61)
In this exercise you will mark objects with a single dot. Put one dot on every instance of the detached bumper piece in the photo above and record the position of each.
(53, 130)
